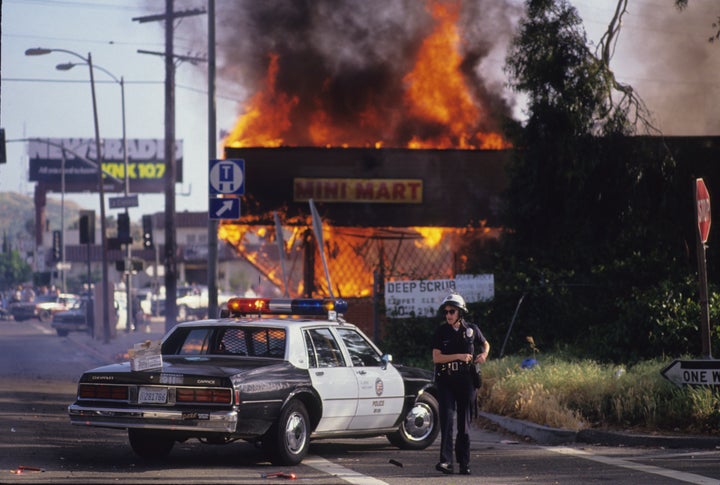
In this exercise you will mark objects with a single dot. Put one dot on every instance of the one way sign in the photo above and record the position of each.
(693, 372)
(228, 208)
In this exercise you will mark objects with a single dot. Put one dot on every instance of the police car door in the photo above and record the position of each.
(332, 378)
(380, 387)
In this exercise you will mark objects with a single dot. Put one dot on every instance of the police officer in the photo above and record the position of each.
(453, 352)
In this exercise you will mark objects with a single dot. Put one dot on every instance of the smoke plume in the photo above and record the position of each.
(349, 60)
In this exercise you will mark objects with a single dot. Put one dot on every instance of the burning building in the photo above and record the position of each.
(387, 116)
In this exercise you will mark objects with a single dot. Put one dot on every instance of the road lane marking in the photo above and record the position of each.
(624, 463)
(41, 328)
(350, 476)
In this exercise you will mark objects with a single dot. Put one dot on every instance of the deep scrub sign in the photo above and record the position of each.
(421, 298)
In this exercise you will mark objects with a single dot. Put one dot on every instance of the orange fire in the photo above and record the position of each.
(437, 109)
(431, 106)
(354, 255)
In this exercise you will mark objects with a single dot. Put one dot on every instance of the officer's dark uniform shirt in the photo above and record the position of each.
(461, 341)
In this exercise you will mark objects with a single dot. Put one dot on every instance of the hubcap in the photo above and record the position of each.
(295, 433)
(419, 422)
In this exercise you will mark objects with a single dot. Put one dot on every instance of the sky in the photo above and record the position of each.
(40, 101)
(663, 53)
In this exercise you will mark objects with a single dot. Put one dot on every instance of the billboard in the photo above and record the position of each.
(145, 168)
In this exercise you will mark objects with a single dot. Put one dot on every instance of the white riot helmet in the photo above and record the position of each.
(455, 300)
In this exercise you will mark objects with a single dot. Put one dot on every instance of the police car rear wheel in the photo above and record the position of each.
(420, 426)
(290, 437)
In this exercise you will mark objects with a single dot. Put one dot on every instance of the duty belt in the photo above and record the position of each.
(453, 367)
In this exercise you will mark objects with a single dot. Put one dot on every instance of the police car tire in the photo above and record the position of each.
(289, 438)
(150, 445)
(402, 438)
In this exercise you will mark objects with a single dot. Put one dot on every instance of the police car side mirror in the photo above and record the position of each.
(386, 359)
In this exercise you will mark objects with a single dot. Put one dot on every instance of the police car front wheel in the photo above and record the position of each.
(420, 426)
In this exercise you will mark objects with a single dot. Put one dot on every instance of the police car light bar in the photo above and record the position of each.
(278, 306)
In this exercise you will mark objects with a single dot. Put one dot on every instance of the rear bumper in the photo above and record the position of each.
(161, 419)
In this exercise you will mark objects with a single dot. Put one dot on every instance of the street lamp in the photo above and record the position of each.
(128, 265)
(40, 51)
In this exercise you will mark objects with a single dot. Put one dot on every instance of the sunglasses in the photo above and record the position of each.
(452, 311)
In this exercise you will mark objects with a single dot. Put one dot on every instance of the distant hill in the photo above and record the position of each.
(17, 215)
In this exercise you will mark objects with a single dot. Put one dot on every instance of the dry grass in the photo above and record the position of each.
(574, 394)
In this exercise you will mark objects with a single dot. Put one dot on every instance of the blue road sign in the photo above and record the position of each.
(228, 208)
(227, 177)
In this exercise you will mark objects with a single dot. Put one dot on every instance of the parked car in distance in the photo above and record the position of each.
(43, 307)
(76, 319)
(191, 303)
(277, 373)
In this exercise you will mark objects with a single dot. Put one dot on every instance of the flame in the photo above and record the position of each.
(431, 236)
(437, 90)
(354, 254)
(267, 115)
(436, 109)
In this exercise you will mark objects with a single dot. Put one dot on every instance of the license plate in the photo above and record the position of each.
(152, 395)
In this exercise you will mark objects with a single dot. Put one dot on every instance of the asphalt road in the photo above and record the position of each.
(38, 375)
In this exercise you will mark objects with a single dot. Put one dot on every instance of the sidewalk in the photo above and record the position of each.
(116, 351)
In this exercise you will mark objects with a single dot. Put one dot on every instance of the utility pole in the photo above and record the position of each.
(170, 163)
(212, 272)
(170, 233)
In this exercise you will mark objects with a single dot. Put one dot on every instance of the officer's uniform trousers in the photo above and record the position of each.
(455, 392)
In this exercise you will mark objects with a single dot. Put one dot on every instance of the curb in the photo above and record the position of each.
(546, 435)
(543, 435)
(606, 438)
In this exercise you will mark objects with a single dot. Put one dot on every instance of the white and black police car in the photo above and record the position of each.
(275, 372)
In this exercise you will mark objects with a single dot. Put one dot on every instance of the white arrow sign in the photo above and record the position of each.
(226, 206)
(693, 372)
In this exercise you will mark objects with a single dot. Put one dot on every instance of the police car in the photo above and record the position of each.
(263, 374)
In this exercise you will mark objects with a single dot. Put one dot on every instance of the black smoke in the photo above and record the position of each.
(344, 57)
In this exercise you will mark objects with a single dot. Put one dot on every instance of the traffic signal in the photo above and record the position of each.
(147, 232)
(87, 227)
(123, 228)
(57, 245)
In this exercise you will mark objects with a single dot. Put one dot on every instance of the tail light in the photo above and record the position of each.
(203, 396)
(103, 391)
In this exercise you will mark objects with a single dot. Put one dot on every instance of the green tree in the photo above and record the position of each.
(592, 211)
(13, 270)
(568, 184)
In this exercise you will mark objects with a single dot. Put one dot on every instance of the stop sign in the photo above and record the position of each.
(702, 198)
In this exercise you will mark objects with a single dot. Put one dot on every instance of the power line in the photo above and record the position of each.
(100, 81)
(121, 6)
